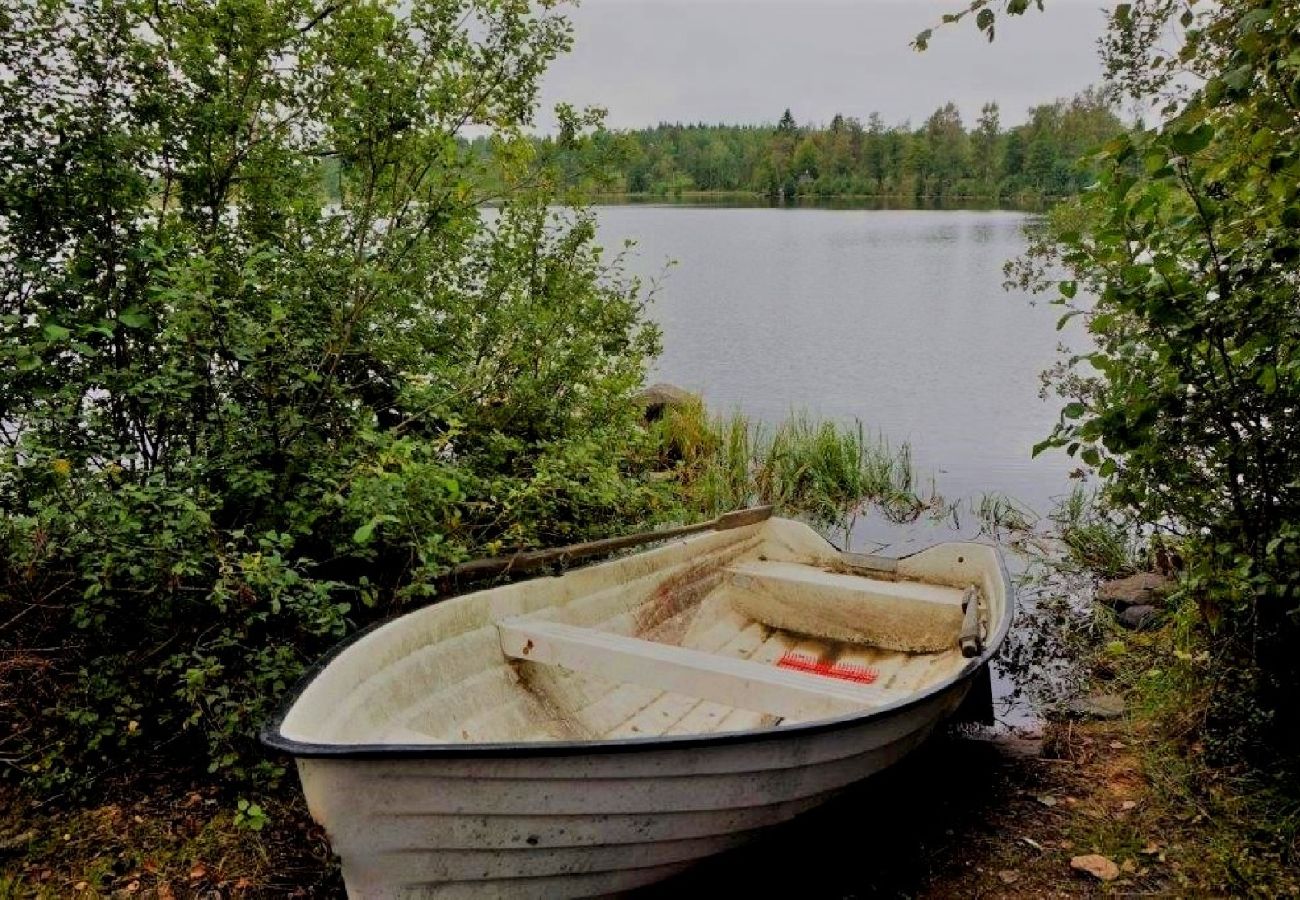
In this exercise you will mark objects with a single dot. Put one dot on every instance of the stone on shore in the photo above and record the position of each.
(1096, 865)
(1098, 706)
(1142, 589)
(659, 398)
(1137, 617)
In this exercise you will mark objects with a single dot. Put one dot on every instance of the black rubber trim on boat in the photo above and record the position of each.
(271, 736)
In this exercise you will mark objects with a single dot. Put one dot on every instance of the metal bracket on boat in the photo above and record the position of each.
(969, 639)
(887, 558)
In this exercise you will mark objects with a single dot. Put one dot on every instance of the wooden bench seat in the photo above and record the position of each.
(738, 683)
(911, 616)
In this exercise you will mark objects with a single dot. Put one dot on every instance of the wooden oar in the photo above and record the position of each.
(969, 639)
(532, 559)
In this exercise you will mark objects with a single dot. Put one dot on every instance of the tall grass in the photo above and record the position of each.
(1094, 539)
(999, 515)
(827, 472)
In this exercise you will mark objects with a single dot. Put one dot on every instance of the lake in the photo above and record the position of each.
(897, 318)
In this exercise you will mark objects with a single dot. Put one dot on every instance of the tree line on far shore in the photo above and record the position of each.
(943, 159)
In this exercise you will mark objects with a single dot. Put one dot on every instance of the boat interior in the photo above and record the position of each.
(761, 626)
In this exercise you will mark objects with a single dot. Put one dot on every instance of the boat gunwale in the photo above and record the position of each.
(272, 737)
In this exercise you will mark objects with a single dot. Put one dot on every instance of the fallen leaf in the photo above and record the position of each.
(133, 887)
(1008, 876)
(1150, 850)
(1067, 845)
(1128, 804)
(1033, 843)
(243, 884)
(1117, 745)
(197, 872)
(1096, 865)
(1046, 800)
(81, 885)
(165, 891)
(1129, 866)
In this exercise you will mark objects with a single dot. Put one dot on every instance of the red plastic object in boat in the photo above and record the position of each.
(803, 662)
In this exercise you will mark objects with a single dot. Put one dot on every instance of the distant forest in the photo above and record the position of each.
(941, 160)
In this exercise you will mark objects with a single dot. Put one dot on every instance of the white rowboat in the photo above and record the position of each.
(593, 732)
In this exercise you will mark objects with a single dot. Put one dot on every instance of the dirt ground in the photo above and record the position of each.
(962, 817)
(966, 818)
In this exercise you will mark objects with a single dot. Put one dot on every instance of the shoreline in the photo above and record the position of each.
(750, 199)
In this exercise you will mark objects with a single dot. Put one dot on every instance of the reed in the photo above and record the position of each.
(1000, 515)
(1094, 538)
(827, 472)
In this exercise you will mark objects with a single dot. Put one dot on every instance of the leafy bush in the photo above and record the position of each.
(239, 421)
(1189, 244)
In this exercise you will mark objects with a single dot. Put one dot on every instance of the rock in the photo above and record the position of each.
(1137, 617)
(14, 843)
(1095, 865)
(1014, 747)
(1098, 706)
(1009, 876)
(659, 398)
(1144, 588)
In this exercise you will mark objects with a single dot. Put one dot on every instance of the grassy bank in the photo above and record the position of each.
(1136, 791)
(1220, 828)
(1150, 790)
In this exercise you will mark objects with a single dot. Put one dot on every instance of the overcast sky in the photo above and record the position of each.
(744, 61)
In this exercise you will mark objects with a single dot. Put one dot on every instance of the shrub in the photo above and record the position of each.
(239, 420)
(1187, 405)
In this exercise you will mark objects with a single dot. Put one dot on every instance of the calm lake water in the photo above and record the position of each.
(897, 318)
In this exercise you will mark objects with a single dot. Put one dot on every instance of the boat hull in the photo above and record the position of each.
(590, 822)
(596, 731)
